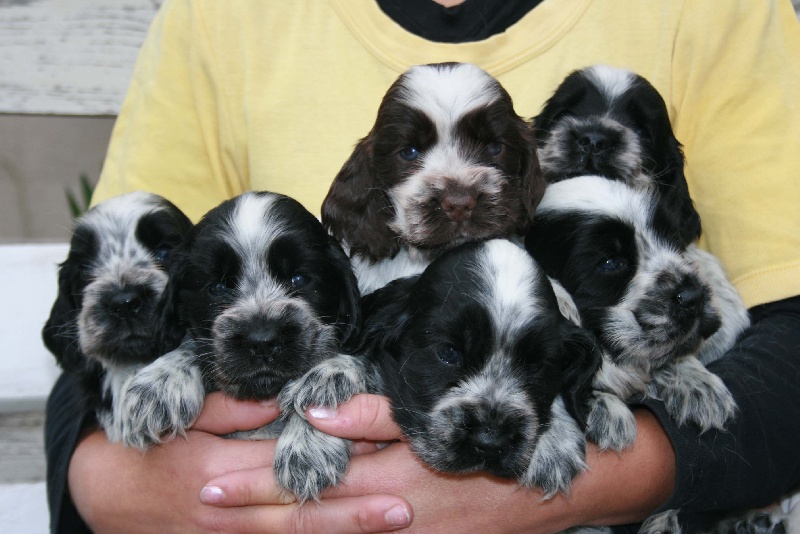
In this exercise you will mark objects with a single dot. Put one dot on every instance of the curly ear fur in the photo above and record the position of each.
(171, 328)
(533, 182)
(356, 211)
(385, 315)
(349, 322)
(583, 355)
(674, 194)
(60, 332)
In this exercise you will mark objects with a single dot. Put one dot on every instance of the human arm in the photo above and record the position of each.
(122, 490)
(755, 461)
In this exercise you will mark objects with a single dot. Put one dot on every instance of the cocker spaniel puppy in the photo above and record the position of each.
(660, 310)
(104, 323)
(612, 122)
(483, 371)
(264, 294)
(447, 161)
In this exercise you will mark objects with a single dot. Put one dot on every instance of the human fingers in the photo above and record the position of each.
(222, 414)
(372, 513)
(363, 417)
(245, 488)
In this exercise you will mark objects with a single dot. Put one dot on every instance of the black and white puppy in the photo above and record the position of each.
(103, 325)
(659, 310)
(483, 371)
(612, 122)
(265, 294)
(447, 161)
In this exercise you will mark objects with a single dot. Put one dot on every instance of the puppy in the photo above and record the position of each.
(103, 324)
(483, 371)
(613, 123)
(265, 294)
(659, 311)
(448, 161)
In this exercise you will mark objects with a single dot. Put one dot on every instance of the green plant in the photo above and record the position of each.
(78, 206)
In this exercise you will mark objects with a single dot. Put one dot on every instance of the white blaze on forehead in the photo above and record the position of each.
(118, 216)
(115, 222)
(251, 231)
(600, 196)
(611, 81)
(446, 93)
(511, 276)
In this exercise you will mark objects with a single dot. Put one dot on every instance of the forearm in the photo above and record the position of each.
(755, 461)
(66, 418)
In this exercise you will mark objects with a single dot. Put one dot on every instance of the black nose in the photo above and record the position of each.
(125, 304)
(458, 205)
(594, 142)
(490, 442)
(690, 295)
(263, 342)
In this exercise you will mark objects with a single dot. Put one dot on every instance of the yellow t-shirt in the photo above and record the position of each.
(273, 95)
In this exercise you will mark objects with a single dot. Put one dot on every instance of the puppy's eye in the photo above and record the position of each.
(85, 270)
(450, 355)
(161, 253)
(642, 134)
(494, 148)
(218, 289)
(612, 265)
(300, 280)
(409, 153)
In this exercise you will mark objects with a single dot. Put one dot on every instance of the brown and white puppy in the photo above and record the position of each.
(448, 161)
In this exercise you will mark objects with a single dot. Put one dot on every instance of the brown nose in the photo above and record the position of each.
(458, 205)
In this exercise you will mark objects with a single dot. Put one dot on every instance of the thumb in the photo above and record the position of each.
(362, 417)
(224, 415)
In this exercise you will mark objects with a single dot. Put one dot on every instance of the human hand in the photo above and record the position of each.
(122, 490)
(613, 491)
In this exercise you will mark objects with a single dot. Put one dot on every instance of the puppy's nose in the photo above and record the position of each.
(125, 304)
(690, 295)
(490, 442)
(458, 205)
(594, 142)
(263, 342)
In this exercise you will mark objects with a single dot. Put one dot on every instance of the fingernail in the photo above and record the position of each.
(271, 403)
(322, 412)
(397, 516)
(211, 495)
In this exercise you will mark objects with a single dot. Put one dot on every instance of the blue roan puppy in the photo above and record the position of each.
(483, 371)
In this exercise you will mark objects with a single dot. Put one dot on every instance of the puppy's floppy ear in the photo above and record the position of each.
(533, 182)
(356, 210)
(674, 192)
(386, 315)
(348, 322)
(170, 328)
(60, 332)
(583, 358)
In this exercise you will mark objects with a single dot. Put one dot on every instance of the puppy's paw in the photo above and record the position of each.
(308, 461)
(663, 523)
(611, 424)
(159, 402)
(559, 456)
(329, 383)
(692, 393)
(753, 522)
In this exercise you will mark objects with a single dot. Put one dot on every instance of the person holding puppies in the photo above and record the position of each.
(229, 97)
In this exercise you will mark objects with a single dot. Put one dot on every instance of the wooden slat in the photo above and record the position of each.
(69, 57)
